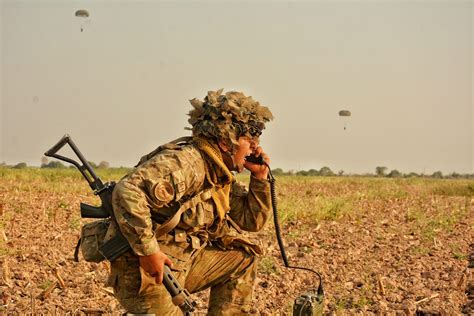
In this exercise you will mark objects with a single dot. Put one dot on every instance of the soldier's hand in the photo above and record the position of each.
(258, 171)
(154, 265)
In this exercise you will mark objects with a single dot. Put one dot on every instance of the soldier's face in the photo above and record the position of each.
(245, 148)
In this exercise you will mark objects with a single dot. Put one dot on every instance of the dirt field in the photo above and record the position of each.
(383, 246)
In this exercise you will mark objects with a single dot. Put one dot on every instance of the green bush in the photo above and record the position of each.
(103, 165)
(381, 171)
(53, 164)
(20, 165)
(395, 174)
(326, 171)
(278, 172)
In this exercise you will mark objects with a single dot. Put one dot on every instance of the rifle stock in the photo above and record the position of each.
(115, 247)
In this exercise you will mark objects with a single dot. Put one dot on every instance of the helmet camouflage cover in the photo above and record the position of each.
(228, 116)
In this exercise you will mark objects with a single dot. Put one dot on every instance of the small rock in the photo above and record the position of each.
(409, 307)
(19, 276)
(381, 306)
(394, 298)
(6, 298)
(358, 282)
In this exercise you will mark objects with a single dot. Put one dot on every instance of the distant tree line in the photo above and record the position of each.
(380, 171)
(59, 164)
(56, 164)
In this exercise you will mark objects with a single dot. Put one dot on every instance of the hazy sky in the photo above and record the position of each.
(121, 88)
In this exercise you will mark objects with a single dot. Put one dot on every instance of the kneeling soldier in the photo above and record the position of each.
(182, 207)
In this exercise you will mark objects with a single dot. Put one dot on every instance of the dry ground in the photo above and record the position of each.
(384, 246)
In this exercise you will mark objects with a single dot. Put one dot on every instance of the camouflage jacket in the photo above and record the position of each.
(150, 193)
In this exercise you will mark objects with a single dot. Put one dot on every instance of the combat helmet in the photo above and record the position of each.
(226, 117)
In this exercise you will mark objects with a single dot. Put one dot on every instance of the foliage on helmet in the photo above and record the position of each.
(227, 116)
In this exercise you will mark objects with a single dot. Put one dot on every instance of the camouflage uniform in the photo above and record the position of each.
(206, 246)
(205, 251)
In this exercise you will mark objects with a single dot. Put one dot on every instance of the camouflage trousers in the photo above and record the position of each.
(230, 274)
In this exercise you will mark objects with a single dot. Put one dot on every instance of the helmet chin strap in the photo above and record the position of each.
(229, 160)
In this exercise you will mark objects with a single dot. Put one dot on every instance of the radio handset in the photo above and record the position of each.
(256, 160)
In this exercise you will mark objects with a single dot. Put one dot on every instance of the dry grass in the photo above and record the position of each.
(412, 234)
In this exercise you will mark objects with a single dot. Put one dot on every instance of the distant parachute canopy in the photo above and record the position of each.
(83, 15)
(345, 114)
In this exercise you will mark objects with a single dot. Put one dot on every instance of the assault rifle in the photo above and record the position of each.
(118, 245)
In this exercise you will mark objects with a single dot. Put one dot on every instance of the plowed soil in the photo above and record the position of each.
(383, 246)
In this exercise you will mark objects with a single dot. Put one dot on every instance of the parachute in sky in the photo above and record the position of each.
(345, 114)
(83, 16)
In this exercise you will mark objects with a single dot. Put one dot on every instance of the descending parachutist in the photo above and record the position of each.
(83, 16)
(344, 114)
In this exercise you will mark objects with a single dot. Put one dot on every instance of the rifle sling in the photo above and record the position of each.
(171, 223)
(76, 251)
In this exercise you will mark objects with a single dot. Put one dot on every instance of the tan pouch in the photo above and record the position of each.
(92, 236)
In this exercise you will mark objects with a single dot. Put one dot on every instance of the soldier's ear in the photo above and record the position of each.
(223, 146)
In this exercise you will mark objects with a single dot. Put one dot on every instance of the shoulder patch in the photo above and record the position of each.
(164, 191)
